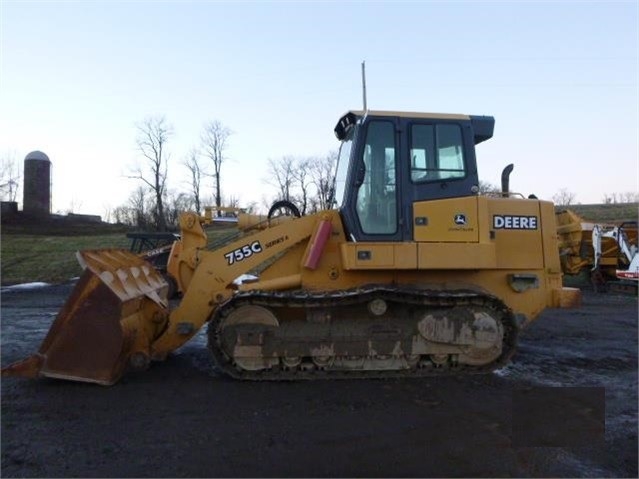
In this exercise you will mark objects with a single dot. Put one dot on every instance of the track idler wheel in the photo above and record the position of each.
(243, 337)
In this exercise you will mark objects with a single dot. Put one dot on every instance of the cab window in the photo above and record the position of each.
(376, 196)
(436, 152)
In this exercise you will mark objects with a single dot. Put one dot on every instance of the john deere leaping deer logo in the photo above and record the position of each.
(460, 219)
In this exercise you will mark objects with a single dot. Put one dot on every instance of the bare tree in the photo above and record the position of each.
(487, 188)
(307, 182)
(138, 204)
(121, 215)
(302, 178)
(232, 202)
(265, 204)
(135, 211)
(563, 197)
(107, 213)
(9, 177)
(214, 142)
(627, 197)
(322, 175)
(177, 203)
(282, 176)
(74, 205)
(192, 162)
(153, 135)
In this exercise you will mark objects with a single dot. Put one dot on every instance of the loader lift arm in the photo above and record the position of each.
(212, 282)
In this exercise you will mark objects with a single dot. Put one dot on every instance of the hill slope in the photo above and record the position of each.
(602, 213)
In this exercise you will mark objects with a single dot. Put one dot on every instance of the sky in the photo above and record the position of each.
(560, 78)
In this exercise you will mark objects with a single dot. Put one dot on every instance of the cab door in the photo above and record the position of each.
(372, 211)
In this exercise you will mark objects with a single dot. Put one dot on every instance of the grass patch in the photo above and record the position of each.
(27, 258)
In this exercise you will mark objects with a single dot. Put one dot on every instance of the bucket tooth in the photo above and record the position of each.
(126, 274)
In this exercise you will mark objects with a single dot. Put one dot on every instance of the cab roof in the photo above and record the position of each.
(411, 114)
(483, 126)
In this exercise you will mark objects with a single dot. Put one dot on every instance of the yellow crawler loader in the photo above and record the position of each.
(412, 273)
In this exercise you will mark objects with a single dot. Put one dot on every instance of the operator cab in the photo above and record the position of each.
(389, 160)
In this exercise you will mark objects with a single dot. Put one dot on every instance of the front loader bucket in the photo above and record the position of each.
(114, 313)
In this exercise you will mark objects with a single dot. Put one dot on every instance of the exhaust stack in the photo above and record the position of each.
(505, 180)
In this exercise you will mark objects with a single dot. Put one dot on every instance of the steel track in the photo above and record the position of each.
(426, 298)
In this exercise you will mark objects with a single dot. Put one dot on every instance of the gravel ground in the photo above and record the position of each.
(180, 418)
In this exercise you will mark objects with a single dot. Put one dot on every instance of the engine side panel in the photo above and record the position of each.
(514, 259)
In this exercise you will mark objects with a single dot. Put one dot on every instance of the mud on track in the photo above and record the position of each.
(180, 418)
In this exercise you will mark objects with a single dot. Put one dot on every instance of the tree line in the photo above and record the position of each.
(152, 205)
(305, 182)
(565, 197)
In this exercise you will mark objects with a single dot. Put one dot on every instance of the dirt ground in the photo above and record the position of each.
(182, 419)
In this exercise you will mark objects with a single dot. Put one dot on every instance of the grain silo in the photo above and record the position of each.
(37, 184)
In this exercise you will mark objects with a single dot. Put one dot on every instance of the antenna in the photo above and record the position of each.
(364, 84)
